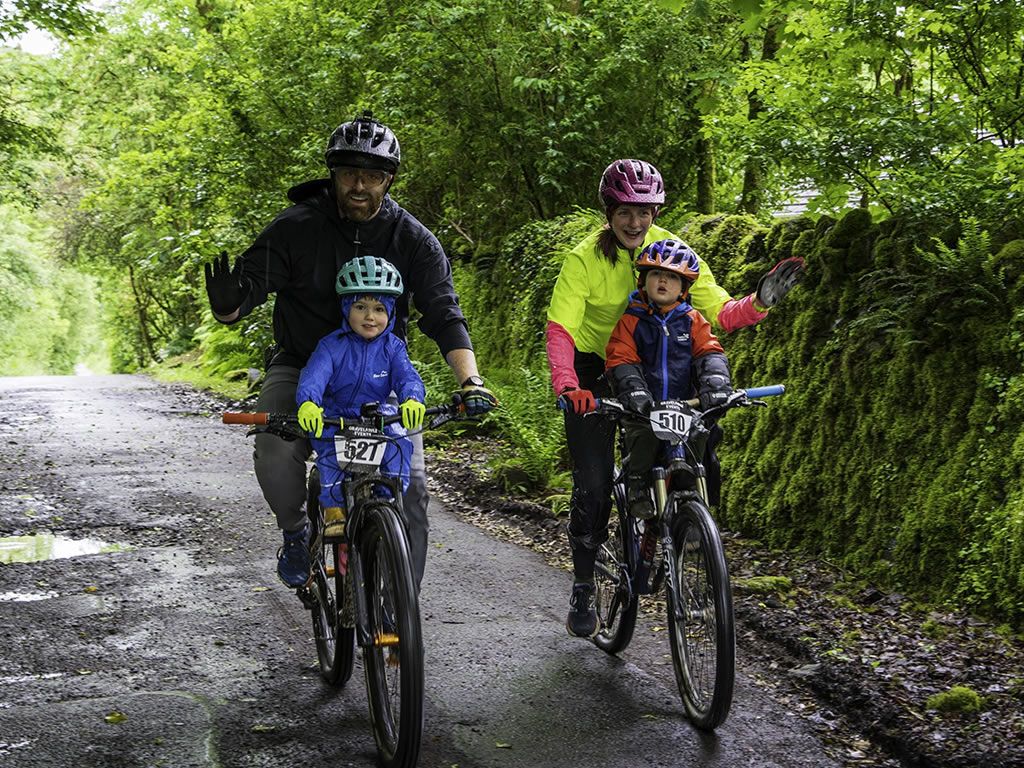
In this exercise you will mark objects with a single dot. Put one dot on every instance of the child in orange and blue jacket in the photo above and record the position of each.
(662, 348)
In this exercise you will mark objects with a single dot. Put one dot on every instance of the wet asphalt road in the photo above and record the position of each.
(182, 649)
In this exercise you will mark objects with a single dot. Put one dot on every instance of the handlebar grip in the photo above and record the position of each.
(244, 418)
(770, 391)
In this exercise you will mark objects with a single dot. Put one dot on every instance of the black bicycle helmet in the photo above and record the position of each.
(364, 143)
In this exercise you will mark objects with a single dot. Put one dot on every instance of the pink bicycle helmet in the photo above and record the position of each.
(631, 182)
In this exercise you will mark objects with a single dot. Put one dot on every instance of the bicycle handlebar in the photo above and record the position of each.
(230, 417)
(772, 390)
(264, 418)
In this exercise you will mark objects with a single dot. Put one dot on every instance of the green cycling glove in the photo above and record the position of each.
(412, 413)
(311, 418)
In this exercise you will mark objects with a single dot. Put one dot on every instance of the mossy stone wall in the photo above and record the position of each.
(898, 448)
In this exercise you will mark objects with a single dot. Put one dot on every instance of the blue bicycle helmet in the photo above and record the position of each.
(671, 256)
(369, 274)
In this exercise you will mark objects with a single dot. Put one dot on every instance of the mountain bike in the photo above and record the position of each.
(361, 590)
(680, 548)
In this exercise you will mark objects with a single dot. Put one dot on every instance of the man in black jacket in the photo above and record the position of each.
(298, 257)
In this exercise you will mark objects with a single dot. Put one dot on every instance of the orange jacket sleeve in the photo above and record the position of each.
(621, 347)
(702, 339)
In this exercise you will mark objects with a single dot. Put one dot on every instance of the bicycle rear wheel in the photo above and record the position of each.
(615, 599)
(334, 635)
(394, 662)
(700, 615)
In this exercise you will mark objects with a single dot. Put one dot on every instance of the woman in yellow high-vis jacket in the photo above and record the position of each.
(588, 299)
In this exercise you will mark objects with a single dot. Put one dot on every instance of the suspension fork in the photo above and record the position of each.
(364, 637)
(649, 539)
(357, 579)
(665, 520)
(669, 546)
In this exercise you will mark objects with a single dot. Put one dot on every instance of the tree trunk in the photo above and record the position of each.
(752, 196)
(705, 175)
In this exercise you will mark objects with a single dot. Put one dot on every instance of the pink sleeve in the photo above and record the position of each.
(739, 313)
(561, 356)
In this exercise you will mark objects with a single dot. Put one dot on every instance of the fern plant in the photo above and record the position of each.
(532, 426)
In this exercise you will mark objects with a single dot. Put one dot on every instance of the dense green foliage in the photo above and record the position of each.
(49, 316)
(148, 145)
(893, 451)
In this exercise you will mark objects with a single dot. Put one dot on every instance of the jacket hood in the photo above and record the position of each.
(346, 304)
(300, 193)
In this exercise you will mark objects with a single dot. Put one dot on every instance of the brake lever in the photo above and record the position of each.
(283, 432)
(443, 418)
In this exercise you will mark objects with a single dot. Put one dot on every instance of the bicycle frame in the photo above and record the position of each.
(371, 601)
(358, 486)
(694, 568)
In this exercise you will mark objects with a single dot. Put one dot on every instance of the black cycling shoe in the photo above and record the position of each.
(582, 619)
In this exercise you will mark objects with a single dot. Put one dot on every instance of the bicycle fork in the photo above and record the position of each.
(668, 543)
(365, 637)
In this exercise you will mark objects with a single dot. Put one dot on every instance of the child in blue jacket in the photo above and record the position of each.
(361, 362)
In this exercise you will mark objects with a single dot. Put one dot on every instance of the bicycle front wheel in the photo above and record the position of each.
(333, 626)
(700, 615)
(615, 599)
(393, 663)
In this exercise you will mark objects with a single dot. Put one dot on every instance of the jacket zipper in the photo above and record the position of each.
(664, 357)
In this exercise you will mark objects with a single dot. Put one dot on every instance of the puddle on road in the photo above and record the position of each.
(25, 597)
(47, 546)
(29, 678)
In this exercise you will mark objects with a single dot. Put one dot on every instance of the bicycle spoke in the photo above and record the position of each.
(394, 657)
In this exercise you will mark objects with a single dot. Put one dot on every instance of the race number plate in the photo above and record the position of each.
(362, 451)
(671, 421)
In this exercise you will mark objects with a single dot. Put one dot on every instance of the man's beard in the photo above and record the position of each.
(360, 212)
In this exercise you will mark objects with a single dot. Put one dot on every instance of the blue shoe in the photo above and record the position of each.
(293, 558)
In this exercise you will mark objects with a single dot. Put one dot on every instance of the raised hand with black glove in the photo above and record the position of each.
(226, 286)
(778, 281)
(714, 383)
(631, 388)
(578, 401)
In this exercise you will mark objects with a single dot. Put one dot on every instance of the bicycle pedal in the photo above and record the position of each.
(306, 597)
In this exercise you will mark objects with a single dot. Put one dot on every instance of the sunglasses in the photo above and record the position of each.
(370, 178)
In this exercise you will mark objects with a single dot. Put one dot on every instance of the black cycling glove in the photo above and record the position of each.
(778, 281)
(226, 287)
